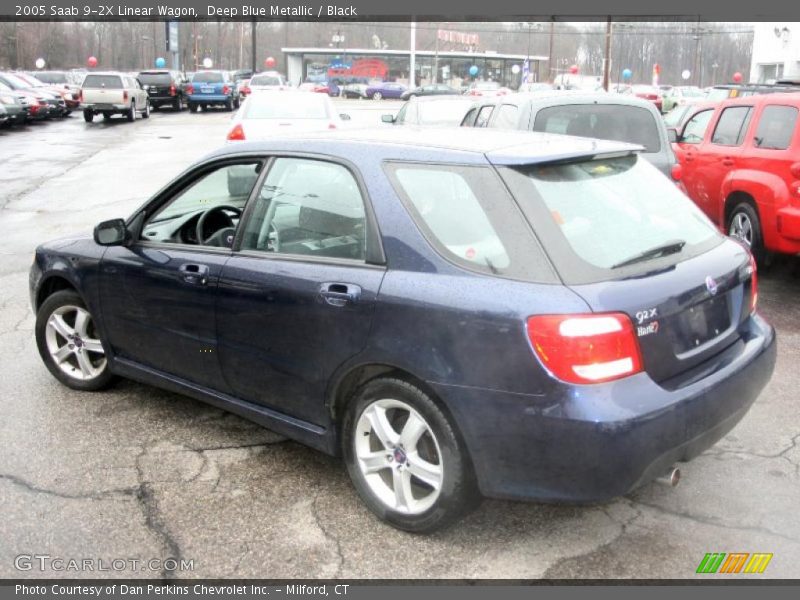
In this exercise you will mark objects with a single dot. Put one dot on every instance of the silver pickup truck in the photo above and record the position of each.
(111, 94)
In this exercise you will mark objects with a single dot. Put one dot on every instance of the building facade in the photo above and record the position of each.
(776, 52)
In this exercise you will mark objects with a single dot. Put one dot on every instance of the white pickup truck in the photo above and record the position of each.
(111, 94)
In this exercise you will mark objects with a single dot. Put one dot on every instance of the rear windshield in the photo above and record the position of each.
(442, 112)
(265, 80)
(286, 106)
(155, 78)
(591, 216)
(103, 81)
(602, 121)
(207, 77)
(488, 235)
(51, 77)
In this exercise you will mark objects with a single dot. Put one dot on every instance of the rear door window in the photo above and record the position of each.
(594, 215)
(732, 126)
(483, 116)
(506, 117)
(776, 127)
(469, 118)
(618, 122)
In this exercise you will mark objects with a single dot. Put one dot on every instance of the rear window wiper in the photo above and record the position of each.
(671, 247)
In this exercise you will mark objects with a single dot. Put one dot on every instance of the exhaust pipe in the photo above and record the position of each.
(671, 478)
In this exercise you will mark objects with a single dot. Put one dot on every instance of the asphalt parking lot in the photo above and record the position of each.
(136, 472)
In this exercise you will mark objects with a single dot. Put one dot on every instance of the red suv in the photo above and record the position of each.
(741, 165)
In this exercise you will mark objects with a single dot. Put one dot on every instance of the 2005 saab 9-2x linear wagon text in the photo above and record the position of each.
(505, 314)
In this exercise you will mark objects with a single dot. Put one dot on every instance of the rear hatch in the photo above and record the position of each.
(157, 84)
(102, 89)
(210, 84)
(626, 240)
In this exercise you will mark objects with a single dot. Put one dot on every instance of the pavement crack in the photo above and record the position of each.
(328, 535)
(153, 517)
(100, 495)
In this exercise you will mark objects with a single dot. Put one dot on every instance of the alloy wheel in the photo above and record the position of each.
(73, 343)
(399, 456)
(741, 228)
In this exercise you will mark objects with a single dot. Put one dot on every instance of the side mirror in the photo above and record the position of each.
(672, 135)
(387, 118)
(344, 116)
(111, 233)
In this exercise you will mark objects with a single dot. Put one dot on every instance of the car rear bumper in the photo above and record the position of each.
(105, 107)
(209, 98)
(787, 223)
(594, 443)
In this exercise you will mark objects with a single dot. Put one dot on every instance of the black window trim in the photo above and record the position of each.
(761, 111)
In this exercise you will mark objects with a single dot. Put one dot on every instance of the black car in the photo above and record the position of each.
(164, 88)
(434, 89)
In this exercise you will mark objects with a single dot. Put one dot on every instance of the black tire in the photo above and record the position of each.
(192, 107)
(146, 111)
(203, 107)
(177, 105)
(458, 493)
(107, 115)
(88, 116)
(744, 212)
(131, 114)
(155, 107)
(52, 303)
(229, 105)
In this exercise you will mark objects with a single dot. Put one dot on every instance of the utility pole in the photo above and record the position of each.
(607, 57)
(550, 57)
(253, 46)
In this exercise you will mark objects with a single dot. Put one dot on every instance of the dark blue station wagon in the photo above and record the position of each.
(456, 313)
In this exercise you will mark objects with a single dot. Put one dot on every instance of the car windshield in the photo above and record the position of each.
(103, 81)
(620, 122)
(15, 82)
(265, 80)
(608, 210)
(155, 78)
(207, 77)
(31, 80)
(442, 112)
(277, 105)
(52, 77)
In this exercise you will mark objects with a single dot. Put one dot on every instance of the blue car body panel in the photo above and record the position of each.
(257, 340)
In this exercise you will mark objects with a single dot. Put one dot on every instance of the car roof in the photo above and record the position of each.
(783, 98)
(443, 98)
(500, 147)
(559, 97)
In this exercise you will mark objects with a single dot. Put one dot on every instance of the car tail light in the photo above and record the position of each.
(225, 89)
(236, 134)
(124, 94)
(588, 348)
(753, 284)
(190, 89)
(676, 172)
(172, 90)
(331, 125)
(245, 91)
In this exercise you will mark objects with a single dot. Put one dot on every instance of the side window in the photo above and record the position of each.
(469, 118)
(207, 211)
(732, 126)
(776, 127)
(309, 208)
(506, 117)
(401, 114)
(483, 116)
(695, 129)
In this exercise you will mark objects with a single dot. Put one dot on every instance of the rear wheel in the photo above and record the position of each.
(146, 113)
(192, 107)
(69, 342)
(107, 115)
(178, 104)
(229, 105)
(132, 112)
(405, 458)
(88, 116)
(377, 96)
(745, 226)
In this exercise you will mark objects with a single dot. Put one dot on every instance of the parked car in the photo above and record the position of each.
(331, 88)
(13, 107)
(603, 329)
(164, 88)
(51, 104)
(680, 96)
(57, 82)
(537, 86)
(112, 93)
(35, 108)
(486, 88)
(647, 92)
(591, 115)
(212, 88)
(356, 89)
(434, 89)
(737, 90)
(679, 115)
(430, 111)
(242, 74)
(385, 89)
(269, 80)
(741, 166)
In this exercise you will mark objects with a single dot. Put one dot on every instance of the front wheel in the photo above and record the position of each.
(745, 226)
(88, 116)
(404, 457)
(69, 343)
(377, 96)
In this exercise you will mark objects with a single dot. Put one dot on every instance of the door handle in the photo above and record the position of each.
(194, 274)
(340, 294)
(727, 162)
